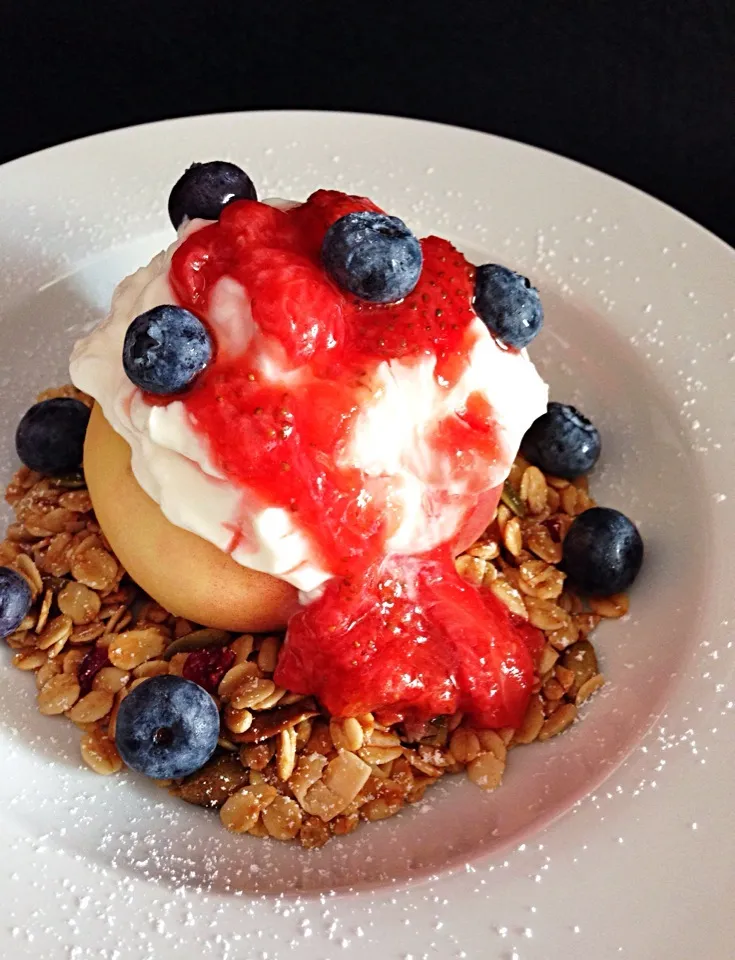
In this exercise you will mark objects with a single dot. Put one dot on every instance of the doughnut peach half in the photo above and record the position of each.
(184, 573)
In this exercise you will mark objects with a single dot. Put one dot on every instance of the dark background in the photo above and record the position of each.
(644, 91)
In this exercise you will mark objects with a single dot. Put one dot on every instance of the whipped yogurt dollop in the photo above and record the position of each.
(390, 438)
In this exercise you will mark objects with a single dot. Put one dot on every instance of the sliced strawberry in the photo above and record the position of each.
(292, 300)
(197, 265)
(247, 224)
(430, 645)
(433, 319)
(403, 636)
(269, 439)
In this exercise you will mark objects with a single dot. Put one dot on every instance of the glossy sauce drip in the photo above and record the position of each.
(411, 639)
(401, 635)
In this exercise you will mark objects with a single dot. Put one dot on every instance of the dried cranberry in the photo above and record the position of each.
(554, 526)
(90, 666)
(207, 667)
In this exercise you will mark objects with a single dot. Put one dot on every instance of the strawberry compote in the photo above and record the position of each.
(285, 412)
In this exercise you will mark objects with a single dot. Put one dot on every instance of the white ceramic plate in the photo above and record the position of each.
(640, 303)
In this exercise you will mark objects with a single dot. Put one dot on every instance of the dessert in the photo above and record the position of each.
(304, 420)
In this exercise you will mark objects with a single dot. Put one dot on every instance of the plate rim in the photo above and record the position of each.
(140, 128)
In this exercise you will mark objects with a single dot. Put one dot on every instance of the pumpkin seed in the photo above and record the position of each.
(197, 640)
(581, 659)
(511, 499)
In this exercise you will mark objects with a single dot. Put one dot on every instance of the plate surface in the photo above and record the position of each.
(640, 303)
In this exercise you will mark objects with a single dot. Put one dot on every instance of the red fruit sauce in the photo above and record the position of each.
(403, 636)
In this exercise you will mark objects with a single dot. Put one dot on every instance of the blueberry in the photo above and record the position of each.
(15, 600)
(508, 304)
(167, 727)
(50, 436)
(373, 256)
(562, 441)
(602, 552)
(205, 188)
(165, 349)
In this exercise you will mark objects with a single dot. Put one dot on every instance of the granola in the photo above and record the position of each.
(284, 769)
